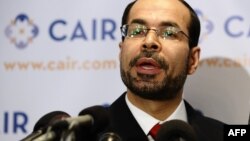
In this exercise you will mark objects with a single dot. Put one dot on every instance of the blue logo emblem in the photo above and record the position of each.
(207, 26)
(22, 31)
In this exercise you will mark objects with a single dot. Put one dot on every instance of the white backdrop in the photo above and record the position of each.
(63, 55)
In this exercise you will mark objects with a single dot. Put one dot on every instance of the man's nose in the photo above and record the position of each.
(151, 41)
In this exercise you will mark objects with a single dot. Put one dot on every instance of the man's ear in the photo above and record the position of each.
(120, 46)
(194, 58)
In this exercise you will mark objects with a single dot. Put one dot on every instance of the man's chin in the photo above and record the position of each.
(144, 85)
(155, 97)
(153, 91)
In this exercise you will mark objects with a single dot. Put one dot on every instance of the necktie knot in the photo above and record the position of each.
(154, 130)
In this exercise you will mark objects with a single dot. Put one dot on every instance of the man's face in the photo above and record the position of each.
(153, 67)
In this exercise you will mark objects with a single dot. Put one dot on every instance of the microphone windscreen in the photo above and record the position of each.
(45, 121)
(100, 116)
(174, 129)
(110, 136)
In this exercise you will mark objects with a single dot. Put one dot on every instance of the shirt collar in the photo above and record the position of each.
(146, 121)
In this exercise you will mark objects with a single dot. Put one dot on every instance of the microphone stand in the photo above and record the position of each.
(48, 136)
(69, 135)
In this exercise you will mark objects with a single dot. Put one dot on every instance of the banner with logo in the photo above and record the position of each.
(64, 55)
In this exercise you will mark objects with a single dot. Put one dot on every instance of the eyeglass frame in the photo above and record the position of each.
(124, 31)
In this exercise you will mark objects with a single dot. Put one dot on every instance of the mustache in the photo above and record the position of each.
(150, 54)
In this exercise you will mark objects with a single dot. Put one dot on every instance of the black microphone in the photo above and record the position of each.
(109, 136)
(44, 122)
(100, 117)
(99, 120)
(176, 129)
(95, 117)
(89, 122)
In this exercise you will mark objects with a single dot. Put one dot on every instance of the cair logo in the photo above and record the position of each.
(207, 25)
(21, 31)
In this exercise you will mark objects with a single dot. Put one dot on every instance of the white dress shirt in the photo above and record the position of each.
(146, 121)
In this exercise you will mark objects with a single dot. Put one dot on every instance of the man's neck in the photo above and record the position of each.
(160, 110)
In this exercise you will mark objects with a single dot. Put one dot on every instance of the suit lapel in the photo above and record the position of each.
(195, 120)
(124, 123)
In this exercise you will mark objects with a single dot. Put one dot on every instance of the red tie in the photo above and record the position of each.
(154, 130)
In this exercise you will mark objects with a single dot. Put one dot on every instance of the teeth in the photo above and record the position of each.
(147, 67)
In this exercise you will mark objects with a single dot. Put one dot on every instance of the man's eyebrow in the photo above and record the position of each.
(165, 23)
(169, 23)
(138, 21)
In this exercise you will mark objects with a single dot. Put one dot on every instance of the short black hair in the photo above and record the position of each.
(193, 27)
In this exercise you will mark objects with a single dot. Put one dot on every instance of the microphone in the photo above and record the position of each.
(89, 122)
(100, 117)
(95, 117)
(175, 129)
(44, 122)
(110, 136)
(98, 121)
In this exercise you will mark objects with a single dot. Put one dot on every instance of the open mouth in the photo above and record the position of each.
(147, 66)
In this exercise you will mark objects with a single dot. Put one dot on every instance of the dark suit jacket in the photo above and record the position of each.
(124, 124)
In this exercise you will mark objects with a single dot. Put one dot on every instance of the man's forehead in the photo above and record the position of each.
(169, 10)
(160, 3)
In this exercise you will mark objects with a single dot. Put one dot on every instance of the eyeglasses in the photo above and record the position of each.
(139, 31)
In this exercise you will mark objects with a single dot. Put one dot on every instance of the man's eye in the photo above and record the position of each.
(168, 34)
(137, 31)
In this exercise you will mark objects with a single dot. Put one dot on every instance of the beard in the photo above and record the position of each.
(166, 89)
